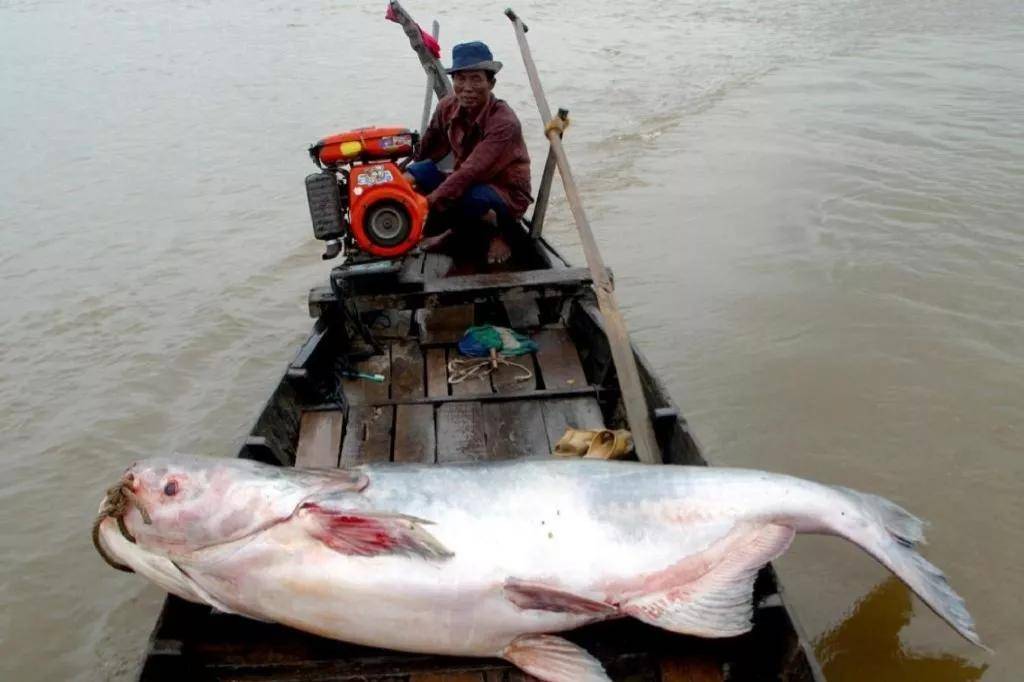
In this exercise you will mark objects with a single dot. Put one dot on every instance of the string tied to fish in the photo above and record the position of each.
(116, 504)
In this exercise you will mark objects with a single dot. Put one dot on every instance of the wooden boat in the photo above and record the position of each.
(317, 416)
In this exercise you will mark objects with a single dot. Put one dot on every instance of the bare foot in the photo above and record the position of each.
(498, 251)
(434, 243)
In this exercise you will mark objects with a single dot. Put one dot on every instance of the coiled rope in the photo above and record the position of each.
(463, 369)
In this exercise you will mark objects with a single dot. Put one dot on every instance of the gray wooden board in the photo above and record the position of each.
(406, 370)
(391, 324)
(515, 429)
(479, 385)
(507, 280)
(414, 433)
(367, 435)
(437, 372)
(412, 269)
(523, 312)
(561, 413)
(363, 391)
(503, 379)
(436, 266)
(319, 439)
(460, 432)
(444, 325)
(559, 360)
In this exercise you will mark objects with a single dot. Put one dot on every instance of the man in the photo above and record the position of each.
(479, 203)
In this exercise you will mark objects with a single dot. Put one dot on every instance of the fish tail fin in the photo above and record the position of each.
(891, 535)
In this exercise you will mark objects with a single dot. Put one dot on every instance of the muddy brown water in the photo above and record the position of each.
(813, 210)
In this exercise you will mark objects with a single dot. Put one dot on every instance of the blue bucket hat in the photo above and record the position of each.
(473, 56)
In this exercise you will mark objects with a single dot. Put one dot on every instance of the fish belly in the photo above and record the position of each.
(396, 602)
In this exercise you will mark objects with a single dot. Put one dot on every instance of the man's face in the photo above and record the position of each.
(472, 88)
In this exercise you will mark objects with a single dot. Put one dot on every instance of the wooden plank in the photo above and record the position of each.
(406, 370)
(390, 324)
(515, 429)
(470, 388)
(690, 669)
(539, 394)
(460, 432)
(444, 325)
(435, 267)
(437, 372)
(367, 435)
(562, 413)
(508, 280)
(503, 379)
(319, 439)
(450, 677)
(558, 359)
(523, 312)
(412, 269)
(363, 391)
(461, 289)
(414, 433)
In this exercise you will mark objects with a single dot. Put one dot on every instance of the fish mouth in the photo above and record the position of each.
(118, 502)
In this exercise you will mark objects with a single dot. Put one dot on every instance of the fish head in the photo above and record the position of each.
(184, 504)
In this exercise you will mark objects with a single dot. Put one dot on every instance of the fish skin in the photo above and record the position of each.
(675, 543)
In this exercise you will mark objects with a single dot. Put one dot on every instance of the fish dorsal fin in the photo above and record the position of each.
(542, 597)
(361, 532)
(554, 659)
(718, 603)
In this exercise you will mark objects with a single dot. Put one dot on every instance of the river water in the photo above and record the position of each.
(813, 210)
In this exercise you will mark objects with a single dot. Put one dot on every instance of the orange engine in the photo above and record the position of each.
(360, 197)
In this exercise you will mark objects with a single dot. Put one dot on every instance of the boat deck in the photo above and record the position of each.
(318, 418)
(416, 415)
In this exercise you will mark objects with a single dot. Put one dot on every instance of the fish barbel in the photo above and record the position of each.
(488, 559)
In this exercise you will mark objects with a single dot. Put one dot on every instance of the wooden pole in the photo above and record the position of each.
(540, 207)
(615, 327)
(429, 97)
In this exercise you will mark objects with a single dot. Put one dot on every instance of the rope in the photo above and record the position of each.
(463, 369)
(557, 124)
(115, 505)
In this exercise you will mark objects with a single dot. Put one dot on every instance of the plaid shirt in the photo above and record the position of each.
(488, 150)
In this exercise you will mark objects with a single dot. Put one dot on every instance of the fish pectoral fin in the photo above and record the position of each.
(554, 659)
(719, 603)
(537, 596)
(367, 533)
(207, 596)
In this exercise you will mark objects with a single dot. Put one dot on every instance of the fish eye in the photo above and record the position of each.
(171, 488)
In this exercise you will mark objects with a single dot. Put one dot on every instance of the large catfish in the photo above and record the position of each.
(488, 559)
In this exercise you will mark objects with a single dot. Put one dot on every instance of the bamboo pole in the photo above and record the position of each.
(615, 327)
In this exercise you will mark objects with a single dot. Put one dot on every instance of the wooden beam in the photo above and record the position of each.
(508, 280)
(592, 391)
(540, 206)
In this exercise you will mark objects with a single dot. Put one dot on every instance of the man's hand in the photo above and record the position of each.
(434, 243)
